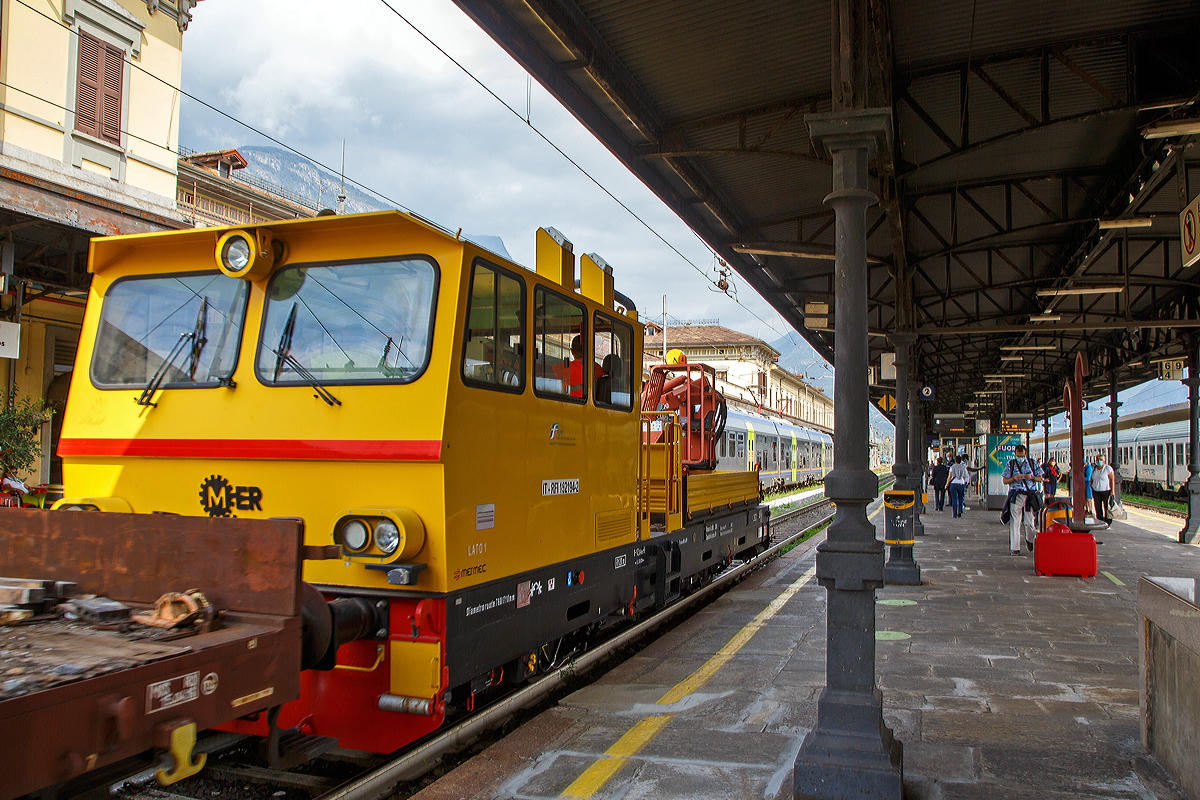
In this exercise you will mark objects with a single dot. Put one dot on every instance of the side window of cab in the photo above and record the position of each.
(494, 344)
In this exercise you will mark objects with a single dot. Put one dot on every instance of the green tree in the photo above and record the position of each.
(20, 435)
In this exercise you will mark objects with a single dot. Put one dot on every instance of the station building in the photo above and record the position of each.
(89, 146)
(748, 371)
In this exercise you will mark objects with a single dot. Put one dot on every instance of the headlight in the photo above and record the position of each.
(387, 536)
(236, 253)
(249, 255)
(355, 535)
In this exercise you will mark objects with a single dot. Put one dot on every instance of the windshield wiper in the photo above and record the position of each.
(196, 336)
(282, 356)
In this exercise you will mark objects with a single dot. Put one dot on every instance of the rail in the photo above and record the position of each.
(380, 782)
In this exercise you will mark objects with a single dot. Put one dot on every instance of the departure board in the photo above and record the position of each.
(1016, 423)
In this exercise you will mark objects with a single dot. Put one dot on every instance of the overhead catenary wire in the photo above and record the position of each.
(216, 110)
(515, 112)
(525, 118)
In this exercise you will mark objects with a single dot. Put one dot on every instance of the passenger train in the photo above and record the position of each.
(783, 453)
(461, 432)
(1152, 460)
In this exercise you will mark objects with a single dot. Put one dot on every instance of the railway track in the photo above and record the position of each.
(1170, 512)
(378, 777)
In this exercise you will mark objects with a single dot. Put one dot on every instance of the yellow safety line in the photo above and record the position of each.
(1112, 578)
(598, 774)
(602, 769)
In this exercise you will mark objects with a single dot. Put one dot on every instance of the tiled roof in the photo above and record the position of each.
(710, 335)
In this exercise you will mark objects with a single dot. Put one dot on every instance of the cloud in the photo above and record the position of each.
(420, 131)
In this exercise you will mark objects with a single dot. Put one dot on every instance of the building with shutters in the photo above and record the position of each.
(89, 129)
(748, 371)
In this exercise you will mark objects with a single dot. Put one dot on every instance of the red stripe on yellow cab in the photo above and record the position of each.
(258, 449)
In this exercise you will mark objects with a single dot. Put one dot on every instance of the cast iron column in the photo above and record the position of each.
(916, 460)
(850, 752)
(1113, 405)
(1191, 530)
(901, 342)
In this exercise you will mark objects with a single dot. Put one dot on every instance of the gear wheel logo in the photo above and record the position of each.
(216, 496)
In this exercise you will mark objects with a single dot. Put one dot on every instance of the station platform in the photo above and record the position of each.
(1000, 684)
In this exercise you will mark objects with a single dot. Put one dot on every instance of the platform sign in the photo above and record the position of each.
(1000, 450)
(887, 366)
(1189, 232)
(1016, 423)
(10, 340)
(1172, 370)
(927, 394)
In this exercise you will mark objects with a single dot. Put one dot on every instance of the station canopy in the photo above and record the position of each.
(1031, 198)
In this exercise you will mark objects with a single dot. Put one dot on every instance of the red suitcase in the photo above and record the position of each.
(1059, 551)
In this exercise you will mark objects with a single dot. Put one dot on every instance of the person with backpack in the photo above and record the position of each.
(960, 476)
(1021, 475)
(941, 474)
(1052, 475)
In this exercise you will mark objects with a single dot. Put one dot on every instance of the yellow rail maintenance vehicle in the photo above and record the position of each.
(462, 434)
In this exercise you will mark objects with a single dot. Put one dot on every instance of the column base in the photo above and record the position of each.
(901, 569)
(1190, 534)
(848, 763)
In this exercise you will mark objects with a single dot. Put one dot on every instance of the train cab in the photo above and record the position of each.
(461, 436)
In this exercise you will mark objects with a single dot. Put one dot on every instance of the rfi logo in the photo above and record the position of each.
(619, 562)
(219, 499)
(554, 431)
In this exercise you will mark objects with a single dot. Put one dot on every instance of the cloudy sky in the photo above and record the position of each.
(421, 132)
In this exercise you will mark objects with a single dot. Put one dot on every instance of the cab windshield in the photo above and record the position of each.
(144, 320)
(357, 322)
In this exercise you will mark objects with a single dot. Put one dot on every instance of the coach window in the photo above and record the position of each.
(557, 324)
(612, 366)
(493, 345)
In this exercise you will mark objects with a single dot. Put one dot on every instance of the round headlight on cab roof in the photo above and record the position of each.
(355, 535)
(235, 255)
(246, 254)
(387, 536)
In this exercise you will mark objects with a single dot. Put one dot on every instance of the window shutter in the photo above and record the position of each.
(87, 93)
(110, 107)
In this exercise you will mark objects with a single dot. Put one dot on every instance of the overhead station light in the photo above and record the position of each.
(1131, 222)
(1046, 318)
(989, 391)
(1029, 346)
(1012, 358)
(821, 252)
(1079, 290)
(1175, 127)
(1002, 375)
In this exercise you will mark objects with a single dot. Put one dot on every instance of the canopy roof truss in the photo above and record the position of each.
(1018, 127)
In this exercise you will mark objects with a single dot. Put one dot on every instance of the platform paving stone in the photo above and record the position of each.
(1010, 685)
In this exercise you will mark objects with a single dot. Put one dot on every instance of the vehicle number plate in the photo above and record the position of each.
(566, 486)
(173, 692)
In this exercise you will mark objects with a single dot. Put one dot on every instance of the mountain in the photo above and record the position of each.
(299, 175)
(800, 358)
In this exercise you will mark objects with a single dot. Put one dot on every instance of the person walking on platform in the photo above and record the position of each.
(1021, 476)
(1102, 487)
(941, 474)
(1089, 505)
(1052, 475)
(960, 476)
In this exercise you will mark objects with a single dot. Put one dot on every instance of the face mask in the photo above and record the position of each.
(1100, 463)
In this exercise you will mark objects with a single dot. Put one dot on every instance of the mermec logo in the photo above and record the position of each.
(219, 498)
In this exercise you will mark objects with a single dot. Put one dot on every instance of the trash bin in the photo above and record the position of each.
(901, 568)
